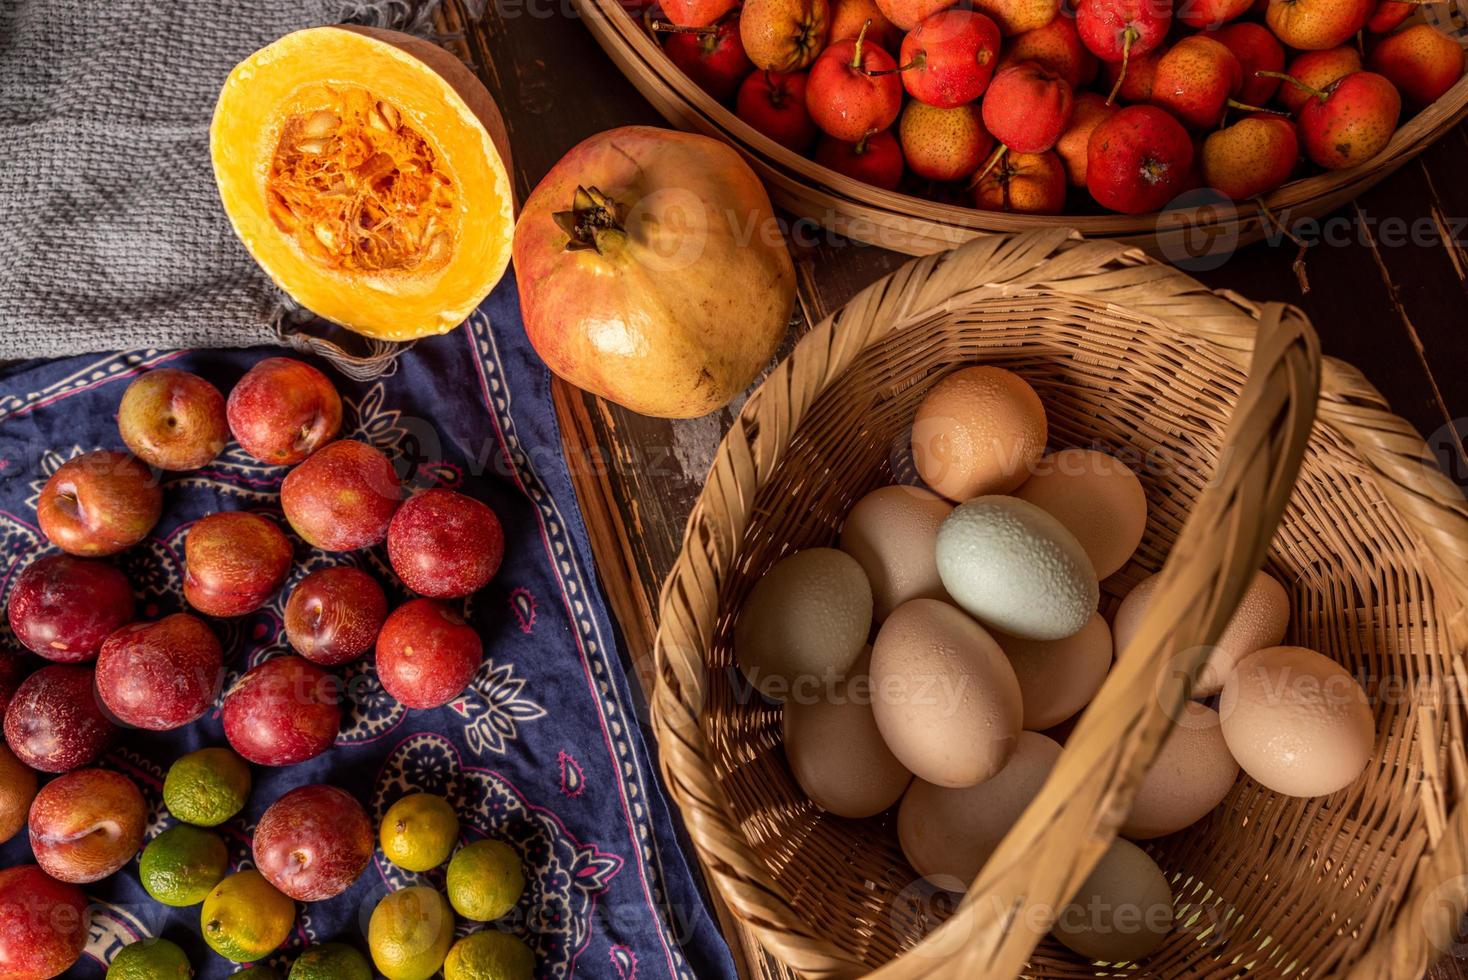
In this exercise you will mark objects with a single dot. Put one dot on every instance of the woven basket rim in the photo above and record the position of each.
(796, 178)
(1400, 462)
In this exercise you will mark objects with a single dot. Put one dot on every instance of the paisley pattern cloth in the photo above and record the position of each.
(545, 749)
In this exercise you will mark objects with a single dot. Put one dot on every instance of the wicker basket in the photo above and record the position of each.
(1218, 397)
(917, 226)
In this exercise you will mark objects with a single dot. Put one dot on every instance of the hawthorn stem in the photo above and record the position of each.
(1309, 89)
(1302, 276)
(861, 37)
(992, 162)
(663, 27)
(1245, 107)
(1128, 38)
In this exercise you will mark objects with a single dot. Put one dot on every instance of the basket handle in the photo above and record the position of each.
(1067, 828)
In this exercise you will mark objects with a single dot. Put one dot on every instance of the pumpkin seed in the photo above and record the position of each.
(325, 236)
(312, 146)
(321, 123)
(389, 115)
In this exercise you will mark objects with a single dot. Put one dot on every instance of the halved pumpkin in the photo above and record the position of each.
(366, 172)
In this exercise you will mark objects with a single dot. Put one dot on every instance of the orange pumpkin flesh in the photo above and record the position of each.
(365, 171)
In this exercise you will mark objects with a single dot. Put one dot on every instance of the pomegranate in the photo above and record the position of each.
(652, 271)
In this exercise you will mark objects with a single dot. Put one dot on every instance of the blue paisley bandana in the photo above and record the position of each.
(545, 750)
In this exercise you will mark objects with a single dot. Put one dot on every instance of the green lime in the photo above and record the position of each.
(419, 832)
(245, 918)
(150, 959)
(485, 880)
(182, 865)
(410, 933)
(207, 787)
(490, 955)
(331, 961)
(261, 972)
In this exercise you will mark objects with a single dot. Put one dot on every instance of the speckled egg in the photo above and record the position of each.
(836, 752)
(948, 834)
(946, 700)
(1297, 721)
(1097, 497)
(1016, 569)
(1190, 776)
(807, 617)
(1122, 911)
(1057, 678)
(892, 533)
(980, 430)
(1260, 621)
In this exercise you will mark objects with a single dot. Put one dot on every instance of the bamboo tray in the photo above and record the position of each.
(917, 226)
(1278, 456)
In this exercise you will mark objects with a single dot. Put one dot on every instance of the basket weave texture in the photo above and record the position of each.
(1200, 224)
(1253, 450)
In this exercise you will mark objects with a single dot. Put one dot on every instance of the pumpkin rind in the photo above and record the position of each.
(339, 233)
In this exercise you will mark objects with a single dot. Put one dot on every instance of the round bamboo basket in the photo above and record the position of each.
(1255, 453)
(1198, 226)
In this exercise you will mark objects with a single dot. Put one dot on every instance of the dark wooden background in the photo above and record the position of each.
(1388, 293)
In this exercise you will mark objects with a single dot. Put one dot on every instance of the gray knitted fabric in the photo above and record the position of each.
(112, 236)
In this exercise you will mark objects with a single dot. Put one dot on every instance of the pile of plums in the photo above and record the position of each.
(1008, 104)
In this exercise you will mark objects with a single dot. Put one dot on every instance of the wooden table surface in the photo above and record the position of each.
(1388, 293)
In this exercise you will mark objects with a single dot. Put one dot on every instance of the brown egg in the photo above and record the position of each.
(946, 700)
(948, 834)
(1057, 678)
(806, 619)
(980, 430)
(1122, 911)
(1099, 500)
(1190, 776)
(1297, 721)
(892, 532)
(1260, 621)
(835, 751)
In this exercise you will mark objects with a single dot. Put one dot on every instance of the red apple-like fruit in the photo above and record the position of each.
(876, 160)
(949, 59)
(426, 654)
(283, 410)
(1139, 160)
(712, 56)
(334, 614)
(774, 104)
(1195, 80)
(853, 90)
(848, 17)
(342, 497)
(1023, 183)
(284, 711)
(1058, 47)
(313, 843)
(1091, 109)
(55, 722)
(1027, 107)
(695, 13)
(87, 824)
(1014, 17)
(1389, 14)
(445, 545)
(1351, 121)
(1421, 61)
(234, 562)
(784, 35)
(43, 924)
(173, 419)
(1257, 51)
(1206, 14)
(63, 607)
(162, 675)
(1117, 31)
(1317, 70)
(908, 14)
(1251, 157)
(99, 503)
(1314, 25)
(943, 144)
